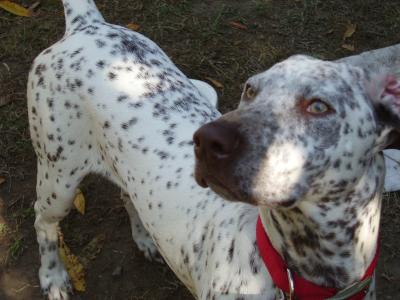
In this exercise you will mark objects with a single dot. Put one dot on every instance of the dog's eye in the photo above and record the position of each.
(318, 107)
(249, 91)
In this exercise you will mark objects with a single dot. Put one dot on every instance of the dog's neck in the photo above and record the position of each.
(330, 241)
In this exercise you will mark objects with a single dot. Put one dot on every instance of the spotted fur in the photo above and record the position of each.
(107, 100)
(317, 178)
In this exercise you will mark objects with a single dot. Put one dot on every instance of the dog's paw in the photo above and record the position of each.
(56, 293)
(150, 251)
(55, 283)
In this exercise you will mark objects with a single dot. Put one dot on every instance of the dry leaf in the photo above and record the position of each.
(330, 31)
(2, 180)
(15, 9)
(79, 202)
(33, 7)
(133, 26)
(92, 249)
(7, 67)
(238, 25)
(215, 83)
(350, 30)
(348, 47)
(74, 268)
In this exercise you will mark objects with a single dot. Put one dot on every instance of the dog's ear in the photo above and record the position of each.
(384, 91)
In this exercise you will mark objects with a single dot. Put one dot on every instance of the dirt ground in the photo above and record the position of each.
(200, 38)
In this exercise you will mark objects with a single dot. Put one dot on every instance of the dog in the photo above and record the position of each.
(301, 154)
(305, 146)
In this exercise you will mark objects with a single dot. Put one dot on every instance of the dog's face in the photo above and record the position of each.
(304, 128)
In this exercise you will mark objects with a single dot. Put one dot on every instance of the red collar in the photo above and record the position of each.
(303, 288)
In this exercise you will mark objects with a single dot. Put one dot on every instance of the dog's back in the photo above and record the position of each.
(108, 100)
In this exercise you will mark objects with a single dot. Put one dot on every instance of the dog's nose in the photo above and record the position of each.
(217, 140)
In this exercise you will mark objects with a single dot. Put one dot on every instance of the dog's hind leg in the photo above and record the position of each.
(66, 154)
(140, 235)
(55, 194)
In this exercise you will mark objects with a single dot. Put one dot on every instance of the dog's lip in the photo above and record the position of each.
(223, 190)
(201, 181)
(230, 194)
(207, 180)
(198, 175)
(279, 204)
(204, 179)
(213, 181)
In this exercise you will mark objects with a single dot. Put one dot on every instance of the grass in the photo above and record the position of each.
(28, 212)
(4, 229)
(16, 248)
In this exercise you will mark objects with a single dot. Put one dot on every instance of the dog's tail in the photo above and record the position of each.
(80, 13)
(380, 60)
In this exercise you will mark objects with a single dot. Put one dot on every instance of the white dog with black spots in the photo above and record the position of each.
(304, 146)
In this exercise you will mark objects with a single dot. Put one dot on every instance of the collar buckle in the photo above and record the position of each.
(290, 295)
(291, 284)
(352, 289)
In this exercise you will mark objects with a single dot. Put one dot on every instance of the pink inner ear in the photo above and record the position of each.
(391, 89)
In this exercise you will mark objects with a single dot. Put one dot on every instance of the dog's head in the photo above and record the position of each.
(303, 128)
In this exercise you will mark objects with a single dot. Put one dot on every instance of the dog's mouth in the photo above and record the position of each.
(230, 190)
(205, 179)
(227, 188)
